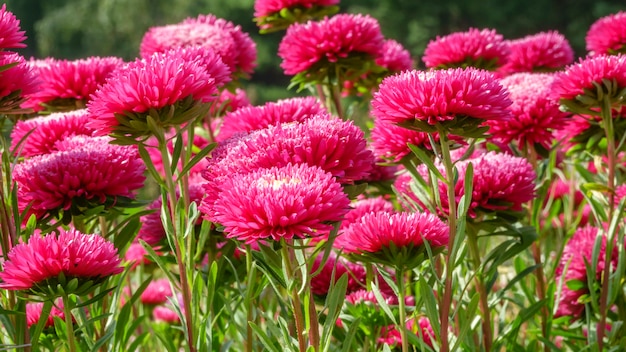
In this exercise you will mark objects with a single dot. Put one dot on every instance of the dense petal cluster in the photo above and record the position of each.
(245, 53)
(607, 35)
(394, 57)
(72, 253)
(376, 231)
(365, 206)
(157, 292)
(267, 7)
(478, 48)
(390, 141)
(544, 51)
(34, 310)
(581, 76)
(294, 201)
(40, 135)
(68, 85)
(19, 78)
(252, 118)
(329, 40)
(573, 267)
(229, 101)
(334, 268)
(10, 34)
(158, 81)
(535, 111)
(85, 169)
(442, 95)
(423, 329)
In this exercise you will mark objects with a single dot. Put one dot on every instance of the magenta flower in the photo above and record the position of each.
(34, 310)
(275, 15)
(264, 8)
(437, 97)
(484, 49)
(535, 111)
(157, 292)
(38, 264)
(252, 118)
(578, 252)
(394, 238)
(337, 266)
(307, 47)
(365, 206)
(294, 201)
(229, 101)
(544, 51)
(39, 135)
(136, 255)
(607, 35)
(84, 173)
(394, 57)
(16, 82)
(174, 78)
(390, 141)
(68, 85)
(391, 336)
(10, 34)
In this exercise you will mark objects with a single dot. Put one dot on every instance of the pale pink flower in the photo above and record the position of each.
(484, 49)
(607, 35)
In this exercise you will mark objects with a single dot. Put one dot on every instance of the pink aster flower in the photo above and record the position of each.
(159, 81)
(535, 111)
(245, 53)
(305, 46)
(258, 117)
(578, 252)
(38, 263)
(16, 82)
(381, 172)
(229, 101)
(390, 141)
(39, 135)
(86, 171)
(264, 8)
(365, 206)
(440, 96)
(294, 201)
(391, 336)
(136, 255)
(157, 292)
(34, 310)
(394, 57)
(337, 266)
(544, 51)
(381, 235)
(484, 49)
(10, 34)
(166, 314)
(68, 85)
(581, 76)
(607, 35)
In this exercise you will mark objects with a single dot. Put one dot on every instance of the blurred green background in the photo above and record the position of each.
(79, 28)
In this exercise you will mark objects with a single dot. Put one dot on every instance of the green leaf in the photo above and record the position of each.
(426, 160)
(268, 343)
(334, 302)
(43, 319)
(199, 156)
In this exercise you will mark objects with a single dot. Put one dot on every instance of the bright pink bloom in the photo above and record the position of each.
(43, 132)
(337, 266)
(582, 75)
(136, 255)
(535, 111)
(394, 57)
(200, 141)
(34, 310)
(294, 201)
(264, 8)
(381, 172)
(442, 95)
(69, 84)
(76, 255)
(367, 297)
(157, 292)
(607, 35)
(166, 314)
(365, 206)
(245, 53)
(10, 34)
(17, 78)
(85, 169)
(230, 101)
(544, 51)
(578, 252)
(390, 141)
(479, 48)
(328, 41)
(391, 336)
(258, 117)
(156, 82)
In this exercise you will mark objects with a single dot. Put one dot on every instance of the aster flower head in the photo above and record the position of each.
(346, 44)
(484, 49)
(572, 270)
(453, 100)
(171, 88)
(294, 201)
(10, 34)
(365, 206)
(333, 269)
(252, 118)
(157, 292)
(35, 309)
(541, 52)
(85, 173)
(396, 239)
(535, 111)
(71, 261)
(420, 327)
(583, 86)
(66, 85)
(40, 135)
(276, 15)
(607, 35)
(229, 101)
(17, 80)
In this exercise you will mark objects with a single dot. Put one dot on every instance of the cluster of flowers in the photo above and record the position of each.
(481, 120)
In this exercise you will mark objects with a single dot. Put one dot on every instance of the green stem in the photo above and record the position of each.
(249, 301)
(402, 309)
(446, 303)
(288, 257)
(472, 241)
(69, 325)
